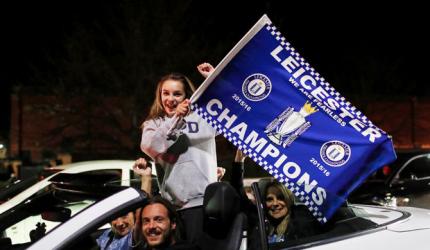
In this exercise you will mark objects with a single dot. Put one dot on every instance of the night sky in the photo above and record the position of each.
(384, 45)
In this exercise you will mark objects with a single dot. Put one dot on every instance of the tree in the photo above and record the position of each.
(120, 53)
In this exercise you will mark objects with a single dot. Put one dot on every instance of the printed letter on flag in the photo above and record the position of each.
(270, 103)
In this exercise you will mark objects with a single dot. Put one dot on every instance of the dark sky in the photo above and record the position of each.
(342, 42)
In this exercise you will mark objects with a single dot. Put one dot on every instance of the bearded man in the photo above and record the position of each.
(158, 226)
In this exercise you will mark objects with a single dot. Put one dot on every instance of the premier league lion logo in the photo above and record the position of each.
(289, 125)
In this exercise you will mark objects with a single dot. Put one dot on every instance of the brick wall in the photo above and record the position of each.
(103, 127)
(408, 121)
(86, 127)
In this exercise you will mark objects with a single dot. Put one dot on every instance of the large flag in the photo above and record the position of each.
(268, 101)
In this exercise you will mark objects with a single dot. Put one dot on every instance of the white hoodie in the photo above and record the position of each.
(188, 157)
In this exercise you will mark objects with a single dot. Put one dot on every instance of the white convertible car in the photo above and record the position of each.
(353, 227)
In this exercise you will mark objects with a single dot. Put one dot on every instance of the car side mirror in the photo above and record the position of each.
(57, 214)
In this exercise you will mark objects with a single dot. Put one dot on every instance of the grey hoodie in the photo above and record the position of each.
(187, 154)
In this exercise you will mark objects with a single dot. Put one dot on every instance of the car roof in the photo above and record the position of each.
(78, 167)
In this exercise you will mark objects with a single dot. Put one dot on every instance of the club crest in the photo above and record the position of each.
(256, 87)
(335, 153)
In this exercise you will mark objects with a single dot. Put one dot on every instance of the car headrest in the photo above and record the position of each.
(221, 205)
(263, 183)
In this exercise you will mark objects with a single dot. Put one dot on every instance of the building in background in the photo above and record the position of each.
(52, 127)
(106, 127)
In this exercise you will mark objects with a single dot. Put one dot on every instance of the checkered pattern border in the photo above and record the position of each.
(260, 161)
(336, 95)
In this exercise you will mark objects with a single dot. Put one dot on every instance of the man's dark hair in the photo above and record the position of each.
(171, 213)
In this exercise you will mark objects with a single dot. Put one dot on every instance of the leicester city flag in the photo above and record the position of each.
(268, 101)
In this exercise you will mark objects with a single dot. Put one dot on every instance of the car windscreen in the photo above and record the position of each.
(33, 218)
(26, 222)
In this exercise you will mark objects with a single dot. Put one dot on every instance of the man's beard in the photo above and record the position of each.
(166, 240)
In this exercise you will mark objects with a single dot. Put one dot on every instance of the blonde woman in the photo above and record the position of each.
(279, 201)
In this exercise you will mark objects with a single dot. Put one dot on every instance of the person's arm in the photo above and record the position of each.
(137, 238)
(205, 69)
(143, 168)
(159, 134)
(237, 171)
(155, 136)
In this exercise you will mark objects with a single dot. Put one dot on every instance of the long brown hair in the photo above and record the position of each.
(157, 109)
(287, 195)
(279, 228)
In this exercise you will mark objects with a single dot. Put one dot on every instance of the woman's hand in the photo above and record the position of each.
(183, 108)
(240, 156)
(220, 173)
(205, 69)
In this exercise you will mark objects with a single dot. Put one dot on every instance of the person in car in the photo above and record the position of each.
(184, 145)
(247, 200)
(119, 235)
(278, 200)
(157, 227)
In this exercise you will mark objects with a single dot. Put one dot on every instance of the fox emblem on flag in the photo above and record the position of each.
(271, 104)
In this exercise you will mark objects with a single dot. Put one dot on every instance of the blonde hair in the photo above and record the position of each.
(157, 110)
(286, 193)
(281, 228)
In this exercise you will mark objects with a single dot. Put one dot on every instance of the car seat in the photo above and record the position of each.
(223, 222)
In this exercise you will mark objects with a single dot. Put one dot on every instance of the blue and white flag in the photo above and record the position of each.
(268, 101)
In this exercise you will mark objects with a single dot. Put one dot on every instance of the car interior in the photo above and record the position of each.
(223, 222)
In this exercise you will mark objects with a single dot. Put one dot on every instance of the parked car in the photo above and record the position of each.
(15, 187)
(407, 185)
(121, 169)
